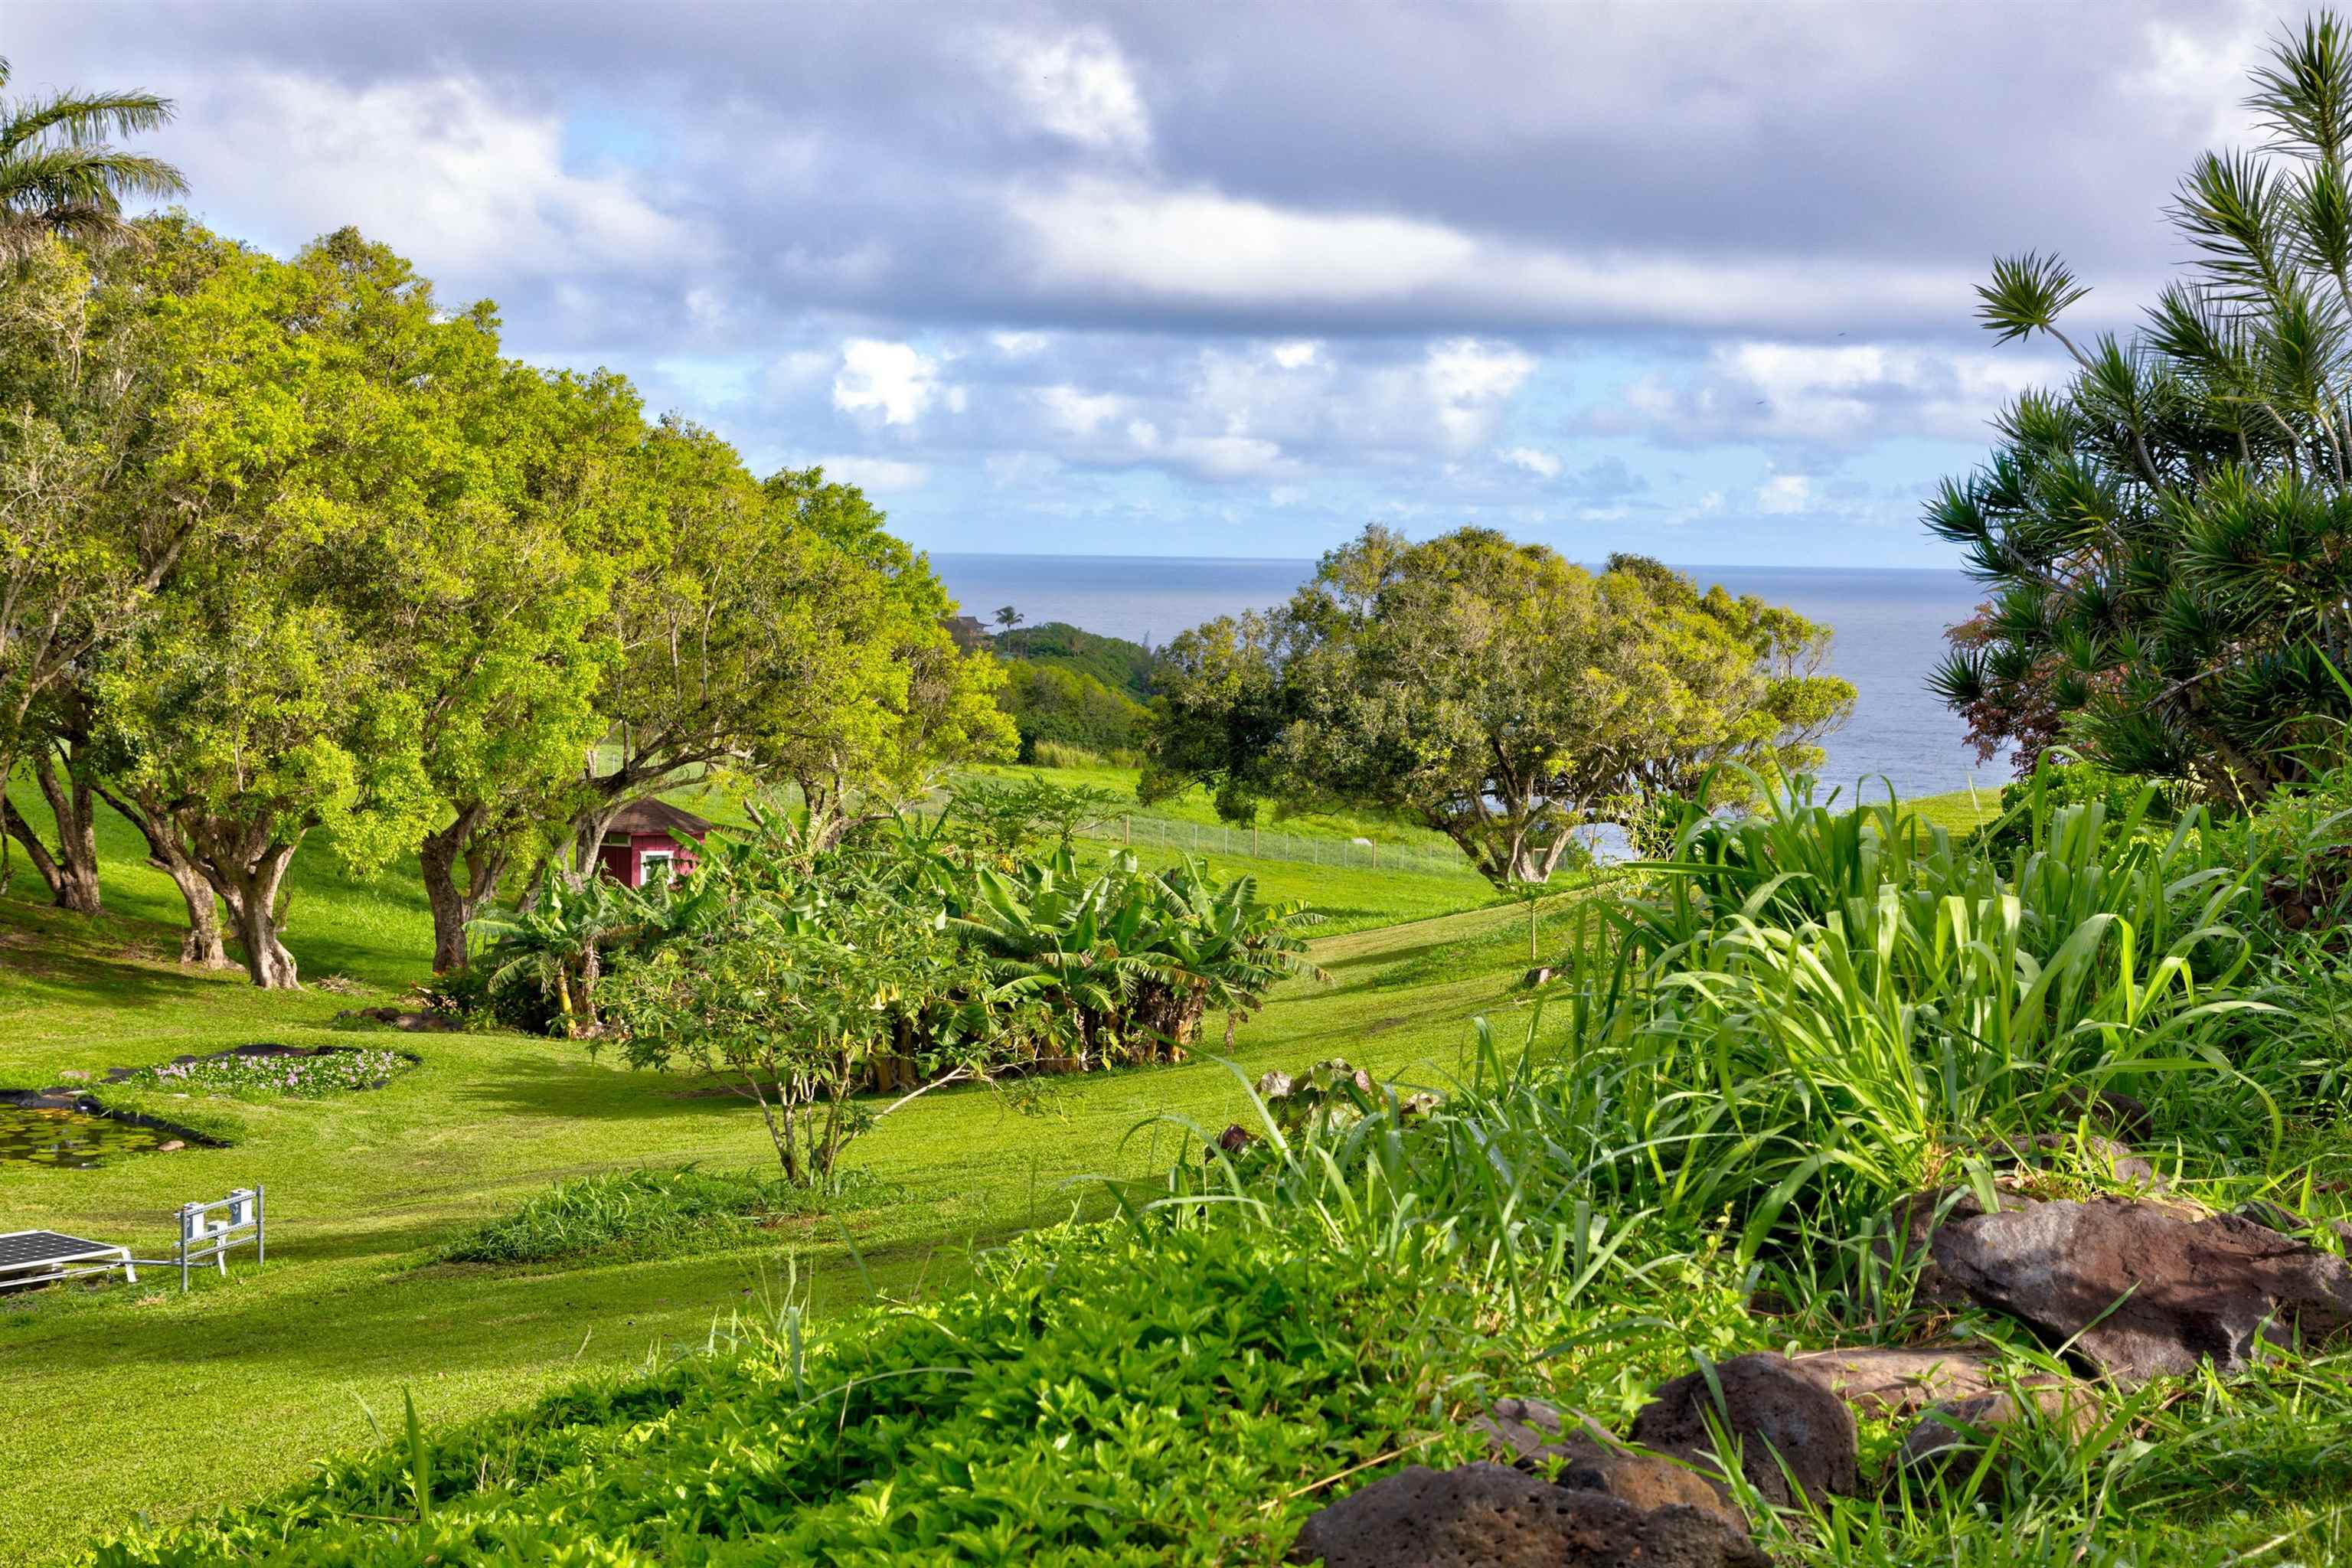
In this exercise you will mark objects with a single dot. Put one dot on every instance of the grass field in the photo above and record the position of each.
(128, 1401)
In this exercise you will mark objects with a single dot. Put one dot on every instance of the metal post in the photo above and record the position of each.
(260, 1237)
(186, 1217)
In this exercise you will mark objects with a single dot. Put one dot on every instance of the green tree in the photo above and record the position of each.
(492, 597)
(1499, 693)
(271, 689)
(60, 176)
(776, 629)
(2166, 538)
(123, 453)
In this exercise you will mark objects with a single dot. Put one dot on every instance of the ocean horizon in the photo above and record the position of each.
(1889, 623)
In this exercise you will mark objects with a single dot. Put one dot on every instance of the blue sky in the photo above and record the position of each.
(1233, 280)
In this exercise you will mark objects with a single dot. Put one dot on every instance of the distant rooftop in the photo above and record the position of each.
(658, 816)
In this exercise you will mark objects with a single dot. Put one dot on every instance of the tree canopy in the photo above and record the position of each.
(2164, 538)
(1499, 693)
(292, 545)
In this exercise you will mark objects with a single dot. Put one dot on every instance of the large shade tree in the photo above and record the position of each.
(1493, 691)
(142, 422)
(272, 689)
(2167, 537)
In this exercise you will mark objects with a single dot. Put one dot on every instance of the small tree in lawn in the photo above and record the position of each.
(789, 994)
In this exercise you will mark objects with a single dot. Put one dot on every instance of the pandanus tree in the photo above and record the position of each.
(2167, 537)
(60, 175)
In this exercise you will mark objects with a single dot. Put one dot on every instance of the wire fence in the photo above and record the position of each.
(1142, 831)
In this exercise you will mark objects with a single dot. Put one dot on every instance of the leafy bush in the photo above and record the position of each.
(629, 1214)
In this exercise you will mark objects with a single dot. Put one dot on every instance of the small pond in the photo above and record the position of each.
(66, 1140)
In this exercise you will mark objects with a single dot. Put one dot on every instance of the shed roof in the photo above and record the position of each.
(658, 816)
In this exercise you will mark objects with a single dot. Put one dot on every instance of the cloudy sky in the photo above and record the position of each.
(1205, 280)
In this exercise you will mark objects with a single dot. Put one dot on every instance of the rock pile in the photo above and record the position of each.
(2127, 1288)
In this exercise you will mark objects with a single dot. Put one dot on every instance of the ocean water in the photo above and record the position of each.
(1889, 622)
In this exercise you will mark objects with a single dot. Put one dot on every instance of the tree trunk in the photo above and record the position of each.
(201, 945)
(455, 903)
(72, 871)
(245, 863)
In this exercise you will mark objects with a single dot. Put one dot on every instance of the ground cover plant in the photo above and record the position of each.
(334, 1072)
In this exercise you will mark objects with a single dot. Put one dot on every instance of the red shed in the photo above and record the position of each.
(650, 839)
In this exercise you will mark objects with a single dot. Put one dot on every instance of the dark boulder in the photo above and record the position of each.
(2146, 1289)
(2100, 1156)
(2109, 1110)
(1527, 1433)
(1895, 1380)
(1489, 1516)
(1774, 1414)
(398, 1018)
(1954, 1434)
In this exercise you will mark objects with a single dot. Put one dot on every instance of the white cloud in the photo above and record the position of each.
(1227, 457)
(1008, 469)
(1079, 413)
(1835, 394)
(878, 474)
(1200, 246)
(1297, 353)
(1543, 465)
(1470, 381)
(1784, 493)
(890, 379)
(447, 170)
(1077, 87)
(1018, 345)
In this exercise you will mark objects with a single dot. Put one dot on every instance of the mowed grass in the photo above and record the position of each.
(127, 1401)
(1195, 806)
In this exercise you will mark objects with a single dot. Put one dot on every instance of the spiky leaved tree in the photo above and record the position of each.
(60, 175)
(2167, 538)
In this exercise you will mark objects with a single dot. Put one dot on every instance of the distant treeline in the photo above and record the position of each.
(1073, 688)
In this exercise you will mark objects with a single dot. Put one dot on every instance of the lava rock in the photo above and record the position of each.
(2145, 1290)
(1526, 1434)
(2109, 1109)
(1489, 1516)
(1236, 1138)
(1896, 1380)
(394, 1018)
(2279, 1217)
(2104, 1156)
(1768, 1408)
(1916, 1221)
(1953, 1434)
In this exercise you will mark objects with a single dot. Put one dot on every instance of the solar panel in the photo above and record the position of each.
(32, 1249)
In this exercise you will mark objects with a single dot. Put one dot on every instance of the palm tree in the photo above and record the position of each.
(59, 176)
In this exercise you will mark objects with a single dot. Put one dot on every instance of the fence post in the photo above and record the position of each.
(1252, 840)
(1126, 830)
(1376, 854)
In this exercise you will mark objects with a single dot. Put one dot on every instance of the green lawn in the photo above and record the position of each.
(127, 1400)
